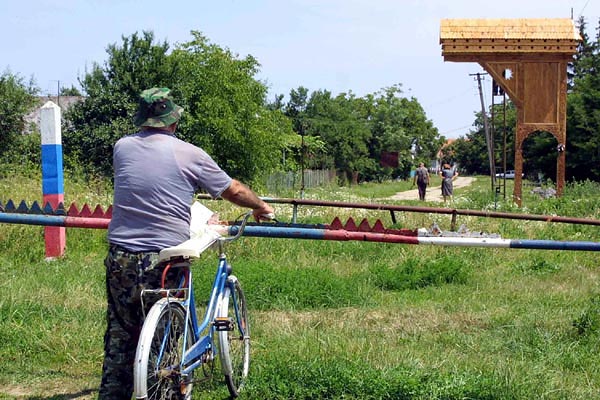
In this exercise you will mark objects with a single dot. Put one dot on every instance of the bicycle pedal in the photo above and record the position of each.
(223, 324)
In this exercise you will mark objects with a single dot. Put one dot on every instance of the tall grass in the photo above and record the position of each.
(336, 320)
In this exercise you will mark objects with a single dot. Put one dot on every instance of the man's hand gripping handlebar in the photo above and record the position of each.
(263, 213)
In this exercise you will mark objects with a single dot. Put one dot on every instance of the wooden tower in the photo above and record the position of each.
(528, 59)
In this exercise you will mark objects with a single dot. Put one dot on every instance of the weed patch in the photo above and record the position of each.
(350, 378)
(537, 266)
(273, 287)
(416, 273)
(588, 323)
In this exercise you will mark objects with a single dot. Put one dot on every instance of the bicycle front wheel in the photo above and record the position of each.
(234, 336)
(158, 356)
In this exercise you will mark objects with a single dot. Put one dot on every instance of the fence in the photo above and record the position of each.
(290, 180)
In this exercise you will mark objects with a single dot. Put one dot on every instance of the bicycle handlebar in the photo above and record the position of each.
(243, 224)
(241, 228)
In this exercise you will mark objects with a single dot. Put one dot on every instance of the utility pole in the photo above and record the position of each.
(302, 128)
(488, 138)
(57, 91)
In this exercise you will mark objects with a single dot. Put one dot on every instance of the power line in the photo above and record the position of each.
(456, 129)
(583, 8)
(449, 99)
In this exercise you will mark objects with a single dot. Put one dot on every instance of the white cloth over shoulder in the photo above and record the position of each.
(202, 235)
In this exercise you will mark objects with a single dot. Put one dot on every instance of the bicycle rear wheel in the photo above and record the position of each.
(234, 336)
(159, 352)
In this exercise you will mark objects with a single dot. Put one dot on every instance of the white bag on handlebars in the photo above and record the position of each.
(202, 235)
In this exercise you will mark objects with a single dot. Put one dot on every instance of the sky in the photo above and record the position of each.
(358, 46)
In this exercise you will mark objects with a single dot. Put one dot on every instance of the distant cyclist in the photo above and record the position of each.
(156, 176)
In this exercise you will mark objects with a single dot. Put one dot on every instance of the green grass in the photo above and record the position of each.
(376, 190)
(336, 320)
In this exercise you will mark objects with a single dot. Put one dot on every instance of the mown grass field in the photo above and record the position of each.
(336, 320)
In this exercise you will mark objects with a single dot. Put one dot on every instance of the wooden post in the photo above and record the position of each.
(52, 175)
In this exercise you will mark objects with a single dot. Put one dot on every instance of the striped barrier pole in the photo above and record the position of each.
(52, 175)
(291, 232)
(52, 221)
(350, 231)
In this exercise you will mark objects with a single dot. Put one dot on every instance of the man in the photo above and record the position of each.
(156, 176)
(422, 180)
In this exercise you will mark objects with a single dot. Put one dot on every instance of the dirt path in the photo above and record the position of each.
(434, 193)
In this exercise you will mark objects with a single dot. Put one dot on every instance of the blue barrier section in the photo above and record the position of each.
(28, 219)
(553, 245)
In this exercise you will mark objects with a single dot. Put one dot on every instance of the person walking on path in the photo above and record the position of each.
(448, 175)
(156, 176)
(422, 180)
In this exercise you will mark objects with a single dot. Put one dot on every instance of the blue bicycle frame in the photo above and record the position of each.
(191, 358)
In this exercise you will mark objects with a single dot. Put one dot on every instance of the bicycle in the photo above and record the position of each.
(173, 344)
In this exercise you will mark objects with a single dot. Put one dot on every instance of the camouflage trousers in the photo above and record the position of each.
(127, 274)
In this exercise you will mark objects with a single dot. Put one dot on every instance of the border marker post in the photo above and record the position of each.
(52, 175)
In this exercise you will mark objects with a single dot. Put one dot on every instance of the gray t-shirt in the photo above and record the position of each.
(422, 175)
(156, 175)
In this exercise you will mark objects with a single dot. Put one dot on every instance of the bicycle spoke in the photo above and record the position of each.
(165, 348)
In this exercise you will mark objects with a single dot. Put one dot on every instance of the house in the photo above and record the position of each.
(32, 120)
(436, 164)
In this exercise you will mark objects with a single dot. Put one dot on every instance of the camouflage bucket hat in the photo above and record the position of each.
(157, 109)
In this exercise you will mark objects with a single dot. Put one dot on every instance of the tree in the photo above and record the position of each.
(72, 91)
(583, 114)
(112, 90)
(355, 131)
(308, 149)
(471, 153)
(295, 109)
(585, 51)
(539, 155)
(399, 124)
(343, 130)
(17, 99)
(464, 152)
(226, 111)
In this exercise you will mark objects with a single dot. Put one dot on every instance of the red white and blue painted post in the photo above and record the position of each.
(52, 175)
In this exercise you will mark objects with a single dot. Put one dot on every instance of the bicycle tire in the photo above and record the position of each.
(163, 327)
(234, 343)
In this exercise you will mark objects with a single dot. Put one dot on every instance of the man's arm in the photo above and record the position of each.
(241, 195)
